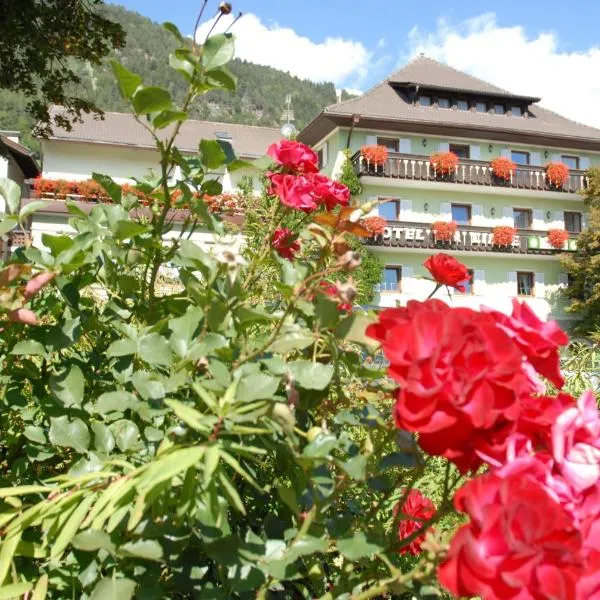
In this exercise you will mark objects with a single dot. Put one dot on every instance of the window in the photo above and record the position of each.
(525, 285)
(390, 211)
(573, 222)
(462, 104)
(468, 284)
(392, 144)
(516, 111)
(425, 100)
(461, 213)
(571, 161)
(481, 107)
(461, 150)
(519, 158)
(500, 109)
(522, 217)
(392, 276)
(320, 158)
(443, 102)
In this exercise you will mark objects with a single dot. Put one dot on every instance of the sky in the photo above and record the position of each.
(548, 49)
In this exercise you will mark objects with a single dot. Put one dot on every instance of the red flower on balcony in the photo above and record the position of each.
(557, 238)
(503, 167)
(503, 235)
(444, 163)
(444, 230)
(375, 155)
(557, 174)
(374, 225)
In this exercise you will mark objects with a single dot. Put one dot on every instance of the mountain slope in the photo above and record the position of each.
(259, 99)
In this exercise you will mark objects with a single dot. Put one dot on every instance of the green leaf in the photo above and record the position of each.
(353, 329)
(69, 433)
(7, 551)
(292, 340)
(104, 441)
(8, 224)
(321, 446)
(311, 375)
(30, 208)
(126, 434)
(356, 467)
(184, 330)
(154, 349)
(222, 78)
(11, 192)
(183, 64)
(113, 589)
(128, 81)
(166, 117)
(399, 459)
(115, 402)
(213, 155)
(69, 529)
(35, 434)
(127, 229)
(217, 51)
(121, 348)
(113, 189)
(41, 588)
(92, 540)
(207, 346)
(359, 546)
(149, 385)
(57, 243)
(151, 99)
(15, 590)
(172, 28)
(69, 386)
(148, 549)
(257, 387)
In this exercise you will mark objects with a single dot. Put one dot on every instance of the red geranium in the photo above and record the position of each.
(503, 235)
(461, 378)
(444, 230)
(374, 225)
(558, 237)
(503, 167)
(422, 508)
(444, 163)
(375, 155)
(294, 156)
(557, 174)
(285, 243)
(520, 542)
(446, 270)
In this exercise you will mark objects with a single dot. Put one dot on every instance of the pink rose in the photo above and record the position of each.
(328, 192)
(293, 191)
(284, 242)
(422, 508)
(295, 156)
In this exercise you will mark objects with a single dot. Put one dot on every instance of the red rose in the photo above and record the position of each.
(461, 378)
(294, 156)
(419, 506)
(293, 191)
(520, 542)
(446, 270)
(539, 340)
(285, 243)
(331, 290)
(328, 192)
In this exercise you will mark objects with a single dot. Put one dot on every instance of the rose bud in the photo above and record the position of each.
(23, 315)
(35, 284)
(350, 260)
(225, 8)
(346, 291)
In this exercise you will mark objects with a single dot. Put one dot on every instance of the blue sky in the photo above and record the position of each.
(527, 47)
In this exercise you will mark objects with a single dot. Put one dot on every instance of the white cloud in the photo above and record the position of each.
(508, 57)
(342, 61)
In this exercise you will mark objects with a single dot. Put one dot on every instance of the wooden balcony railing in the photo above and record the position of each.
(470, 172)
(404, 234)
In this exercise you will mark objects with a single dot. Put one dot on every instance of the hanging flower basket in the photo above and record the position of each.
(502, 168)
(503, 235)
(557, 174)
(375, 155)
(444, 163)
(557, 238)
(444, 230)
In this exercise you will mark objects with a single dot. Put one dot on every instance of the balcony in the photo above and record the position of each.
(471, 238)
(468, 172)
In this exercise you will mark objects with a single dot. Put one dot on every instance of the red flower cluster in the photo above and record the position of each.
(444, 230)
(558, 237)
(503, 235)
(446, 270)
(299, 185)
(374, 225)
(444, 163)
(375, 155)
(535, 518)
(557, 174)
(503, 167)
(422, 509)
(284, 242)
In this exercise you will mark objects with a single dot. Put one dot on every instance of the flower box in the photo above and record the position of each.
(444, 163)
(374, 155)
(444, 231)
(502, 168)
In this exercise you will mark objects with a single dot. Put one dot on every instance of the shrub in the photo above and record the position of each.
(502, 168)
(444, 163)
(444, 230)
(503, 235)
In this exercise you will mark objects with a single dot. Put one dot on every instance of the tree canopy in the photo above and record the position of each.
(39, 40)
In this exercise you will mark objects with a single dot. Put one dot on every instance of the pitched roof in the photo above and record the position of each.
(22, 156)
(385, 103)
(123, 130)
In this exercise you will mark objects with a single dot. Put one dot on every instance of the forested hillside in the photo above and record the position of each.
(259, 100)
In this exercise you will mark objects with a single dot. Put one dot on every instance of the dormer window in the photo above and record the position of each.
(481, 107)
(462, 105)
(516, 111)
(443, 102)
(425, 100)
(499, 109)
